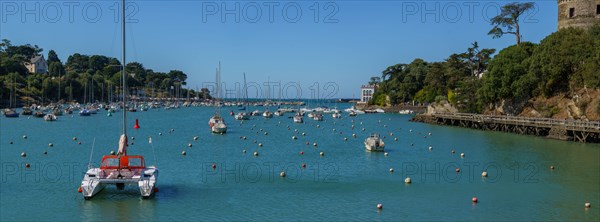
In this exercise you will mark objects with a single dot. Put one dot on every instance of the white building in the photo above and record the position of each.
(366, 93)
(37, 64)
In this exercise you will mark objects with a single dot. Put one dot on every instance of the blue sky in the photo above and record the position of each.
(345, 43)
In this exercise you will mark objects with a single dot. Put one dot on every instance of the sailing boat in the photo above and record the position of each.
(217, 123)
(243, 115)
(120, 169)
(8, 112)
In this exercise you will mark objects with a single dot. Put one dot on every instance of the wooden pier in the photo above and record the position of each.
(570, 130)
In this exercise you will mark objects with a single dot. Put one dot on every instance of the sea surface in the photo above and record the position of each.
(345, 184)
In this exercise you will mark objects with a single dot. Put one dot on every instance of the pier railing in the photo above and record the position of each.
(577, 125)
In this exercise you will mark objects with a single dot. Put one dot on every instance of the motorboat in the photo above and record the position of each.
(318, 116)
(241, 116)
(9, 113)
(50, 117)
(267, 114)
(374, 143)
(406, 112)
(298, 118)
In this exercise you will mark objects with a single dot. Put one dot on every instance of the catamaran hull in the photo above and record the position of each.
(92, 185)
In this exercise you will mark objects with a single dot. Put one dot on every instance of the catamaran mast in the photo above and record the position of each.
(123, 70)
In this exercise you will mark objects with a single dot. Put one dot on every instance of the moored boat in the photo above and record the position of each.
(374, 143)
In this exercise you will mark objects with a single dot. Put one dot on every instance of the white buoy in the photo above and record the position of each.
(260, 144)
(322, 154)
(132, 138)
(112, 152)
(183, 153)
(294, 137)
(484, 174)
(407, 180)
(588, 205)
(196, 138)
(244, 151)
(314, 144)
(430, 148)
(429, 134)
(385, 154)
(395, 138)
(318, 126)
(50, 144)
(24, 136)
(282, 174)
(354, 135)
(160, 134)
(345, 139)
(462, 155)
(303, 134)
(255, 153)
(23, 154)
(379, 206)
(189, 145)
(266, 133)
(391, 170)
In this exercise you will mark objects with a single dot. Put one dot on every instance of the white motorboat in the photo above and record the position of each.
(267, 114)
(50, 117)
(217, 124)
(352, 113)
(120, 169)
(336, 115)
(298, 118)
(279, 113)
(241, 116)
(374, 143)
(311, 115)
(406, 112)
(318, 116)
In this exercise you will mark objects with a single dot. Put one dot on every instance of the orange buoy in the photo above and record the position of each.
(137, 125)
(80, 190)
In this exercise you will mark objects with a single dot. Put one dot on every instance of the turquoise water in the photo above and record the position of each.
(345, 184)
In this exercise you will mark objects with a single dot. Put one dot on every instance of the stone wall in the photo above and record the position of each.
(584, 16)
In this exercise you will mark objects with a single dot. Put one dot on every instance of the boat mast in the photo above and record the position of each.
(123, 70)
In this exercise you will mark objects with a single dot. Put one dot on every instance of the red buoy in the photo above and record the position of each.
(301, 152)
(80, 190)
(214, 166)
(136, 126)
(474, 199)
(155, 190)
(303, 165)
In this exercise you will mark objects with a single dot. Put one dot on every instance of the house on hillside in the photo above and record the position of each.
(37, 64)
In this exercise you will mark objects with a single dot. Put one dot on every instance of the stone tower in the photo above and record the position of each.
(578, 13)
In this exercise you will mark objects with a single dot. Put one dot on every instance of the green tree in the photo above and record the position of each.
(509, 19)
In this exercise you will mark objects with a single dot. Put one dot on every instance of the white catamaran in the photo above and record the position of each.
(120, 169)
